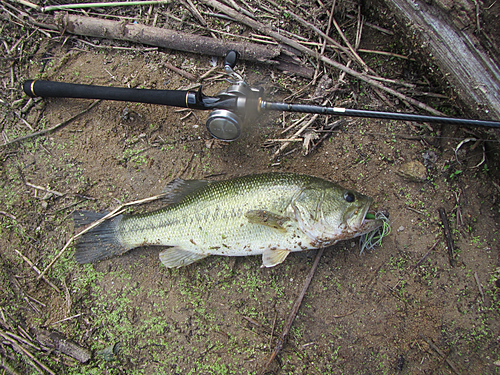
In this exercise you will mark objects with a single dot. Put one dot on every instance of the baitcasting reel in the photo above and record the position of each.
(231, 108)
(226, 124)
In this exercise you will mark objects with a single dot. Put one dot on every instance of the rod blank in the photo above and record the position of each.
(304, 108)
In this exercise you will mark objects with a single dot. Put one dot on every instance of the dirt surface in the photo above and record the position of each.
(399, 309)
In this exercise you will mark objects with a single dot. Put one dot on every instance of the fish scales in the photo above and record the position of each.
(213, 214)
(271, 214)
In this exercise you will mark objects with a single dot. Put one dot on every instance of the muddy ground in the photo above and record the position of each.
(401, 308)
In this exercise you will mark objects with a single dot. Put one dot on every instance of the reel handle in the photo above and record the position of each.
(175, 98)
(231, 59)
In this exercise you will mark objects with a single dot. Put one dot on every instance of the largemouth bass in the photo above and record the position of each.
(271, 214)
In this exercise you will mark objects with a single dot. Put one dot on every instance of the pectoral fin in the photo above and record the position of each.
(267, 218)
(175, 257)
(271, 258)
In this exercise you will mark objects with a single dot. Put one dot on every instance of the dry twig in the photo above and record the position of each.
(425, 256)
(30, 358)
(479, 286)
(117, 211)
(299, 132)
(292, 43)
(440, 352)
(52, 129)
(179, 71)
(293, 313)
(449, 238)
(101, 5)
(35, 268)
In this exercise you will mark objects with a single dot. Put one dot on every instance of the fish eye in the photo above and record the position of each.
(349, 197)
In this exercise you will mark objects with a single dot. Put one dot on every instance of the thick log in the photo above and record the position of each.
(176, 40)
(473, 74)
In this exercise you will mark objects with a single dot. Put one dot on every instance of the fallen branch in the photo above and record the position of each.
(449, 238)
(299, 47)
(440, 352)
(176, 40)
(50, 130)
(57, 341)
(293, 313)
(349, 50)
(30, 358)
(457, 52)
(112, 214)
(160, 37)
(101, 5)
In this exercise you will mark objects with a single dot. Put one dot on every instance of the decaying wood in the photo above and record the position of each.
(57, 341)
(160, 37)
(176, 40)
(474, 75)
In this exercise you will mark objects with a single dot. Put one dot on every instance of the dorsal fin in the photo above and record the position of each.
(177, 189)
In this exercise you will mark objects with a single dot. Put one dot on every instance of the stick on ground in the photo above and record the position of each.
(449, 238)
(50, 130)
(112, 214)
(293, 313)
(440, 352)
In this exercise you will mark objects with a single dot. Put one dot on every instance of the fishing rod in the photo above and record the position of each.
(231, 108)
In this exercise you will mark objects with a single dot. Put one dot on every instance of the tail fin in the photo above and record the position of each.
(100, 242)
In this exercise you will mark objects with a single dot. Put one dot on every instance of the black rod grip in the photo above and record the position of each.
(47, 89)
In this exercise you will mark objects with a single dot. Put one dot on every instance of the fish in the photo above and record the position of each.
(269, 214)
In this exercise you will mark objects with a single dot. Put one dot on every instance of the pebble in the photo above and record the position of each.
(413, 171)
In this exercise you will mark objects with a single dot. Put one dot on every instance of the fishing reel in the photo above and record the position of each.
(226, 124)
(230, 109)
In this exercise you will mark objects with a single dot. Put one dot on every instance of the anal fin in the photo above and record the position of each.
(271, 258)
(175, 257)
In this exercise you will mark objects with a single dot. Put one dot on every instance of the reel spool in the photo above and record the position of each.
(224, 125)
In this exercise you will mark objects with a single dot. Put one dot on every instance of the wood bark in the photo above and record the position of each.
(57, 341)
(473, 74)
(176, 40)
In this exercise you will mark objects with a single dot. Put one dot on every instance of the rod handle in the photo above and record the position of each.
(175, 98)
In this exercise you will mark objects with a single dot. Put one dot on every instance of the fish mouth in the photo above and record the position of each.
(368, 222)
